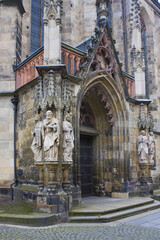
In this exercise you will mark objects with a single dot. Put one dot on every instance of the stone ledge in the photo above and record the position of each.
(29, 220)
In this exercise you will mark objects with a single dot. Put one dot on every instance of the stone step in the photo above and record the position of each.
(112, 215)
(96, 209)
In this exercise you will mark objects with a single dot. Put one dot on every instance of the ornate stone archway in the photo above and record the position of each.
(103, 115)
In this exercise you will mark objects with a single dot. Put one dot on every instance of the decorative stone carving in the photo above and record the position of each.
(142, 121)
(38, 135)
(142, 145)
(83, 67)
(151, 147)
(67, 95)
(135, 21)
(137, 59)
(150, 123)
(107, 106)
(51, 137)
(102, 11)
(46, 92)
(50, 92)
(145, 121)
(68, 138)
(53, 10)
(103, 59)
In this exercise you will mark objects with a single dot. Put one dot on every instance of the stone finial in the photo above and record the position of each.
(102, 11)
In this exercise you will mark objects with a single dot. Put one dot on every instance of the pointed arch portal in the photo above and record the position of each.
(102, 157)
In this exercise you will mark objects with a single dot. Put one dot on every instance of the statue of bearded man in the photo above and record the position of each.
(51, 137)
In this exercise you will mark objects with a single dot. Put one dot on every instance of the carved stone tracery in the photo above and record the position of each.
(52, 10)
(101, 59)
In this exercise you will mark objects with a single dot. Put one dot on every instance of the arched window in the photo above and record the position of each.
(37, 30)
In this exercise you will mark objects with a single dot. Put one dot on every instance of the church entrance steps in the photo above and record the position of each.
(156, 194)
(109, 209)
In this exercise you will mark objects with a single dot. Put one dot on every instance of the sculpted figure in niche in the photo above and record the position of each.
(68, 138)
(151, 147)
(38, 135)
(142, 144)
(51, 137)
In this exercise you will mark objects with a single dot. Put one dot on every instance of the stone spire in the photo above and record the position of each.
(137, 52)
(52, 31)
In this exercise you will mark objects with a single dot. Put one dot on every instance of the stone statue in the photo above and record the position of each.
(38, 135)
(142, 144)
(51, 137)
(68, 138)
(151, 147)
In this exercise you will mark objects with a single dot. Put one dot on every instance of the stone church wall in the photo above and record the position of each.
(6, 141)
(25, 124)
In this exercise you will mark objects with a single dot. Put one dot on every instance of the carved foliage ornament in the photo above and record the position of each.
(145, 121)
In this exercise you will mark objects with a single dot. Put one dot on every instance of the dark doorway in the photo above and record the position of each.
(86, 165)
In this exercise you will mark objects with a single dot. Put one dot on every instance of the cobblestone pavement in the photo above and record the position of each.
(79, 232)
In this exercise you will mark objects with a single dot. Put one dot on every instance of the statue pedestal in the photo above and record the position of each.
(145, 179)
(47, 199)
(51, 197)
(66, 166)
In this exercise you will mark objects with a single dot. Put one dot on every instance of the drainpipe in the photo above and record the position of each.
(125, 34)
(15, 182)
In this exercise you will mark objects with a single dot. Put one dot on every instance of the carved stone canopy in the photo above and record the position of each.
(52, 9)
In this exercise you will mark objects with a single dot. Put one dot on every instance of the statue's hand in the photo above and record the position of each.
(57, 141)
(33, 133)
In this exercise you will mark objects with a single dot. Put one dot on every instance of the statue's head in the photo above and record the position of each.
(68, 117)
(151, 133)
(49, 114)
(143, 132)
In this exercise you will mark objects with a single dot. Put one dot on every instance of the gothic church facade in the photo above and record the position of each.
(97, 62)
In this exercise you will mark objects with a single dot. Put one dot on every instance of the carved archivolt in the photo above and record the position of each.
(99, 92)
